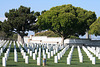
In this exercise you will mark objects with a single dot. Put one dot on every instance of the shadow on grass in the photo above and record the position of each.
(50, 65)
(11, 65)
(74, 60)
(74, 64)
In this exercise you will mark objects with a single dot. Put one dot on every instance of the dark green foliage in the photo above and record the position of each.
(20, 20)
(43, 11)
(66, 20)
(95, 27)
(7, 28)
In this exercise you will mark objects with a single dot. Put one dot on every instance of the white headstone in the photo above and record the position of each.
(40, 49)
(55, 59)
(93, 60)
(49, 55)
(30, 53)
(4, 61)
(24, 55)
(81, 58)
(26, 60)
(34, 56)
(1, 50)
(22, 51)
(56, 50)
(6, 56)
(58, 56)
(15, 57)
(36, 51)
(38, 61)
(43, 52)
(39, 54)
(99, 56)
(52, 53)
(46, 50)
(68, 61)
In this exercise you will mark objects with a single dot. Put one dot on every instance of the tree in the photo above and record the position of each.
(95, 27)
(21, 20)
(66, 20)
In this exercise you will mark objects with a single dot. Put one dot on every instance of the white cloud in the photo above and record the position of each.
(2, 18)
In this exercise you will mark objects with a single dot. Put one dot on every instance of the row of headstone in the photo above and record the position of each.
(31, 47)
(60, 54)
(37, 50)
(95, 52)
(39, 56)
(44, 49)
(6, 55)
(2, 43)
(3, 48)
(91, 50)
(70, 56)
(90, 56)
(23, 53)
(34, 48)
(15, 53)
(24, 46)
(80, 54)
(44, 46)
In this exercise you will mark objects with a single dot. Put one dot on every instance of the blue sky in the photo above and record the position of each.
(40, 5)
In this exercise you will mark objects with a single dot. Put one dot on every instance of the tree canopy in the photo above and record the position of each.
(66, 20)
(20, 20)
(95, 27)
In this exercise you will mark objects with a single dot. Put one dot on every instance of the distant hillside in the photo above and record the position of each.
(47, 33)
(52, 34)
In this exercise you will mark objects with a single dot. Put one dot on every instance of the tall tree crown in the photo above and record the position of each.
(21, 19)
(67, 20)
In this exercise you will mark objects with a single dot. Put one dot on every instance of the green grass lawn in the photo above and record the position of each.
(50, 62)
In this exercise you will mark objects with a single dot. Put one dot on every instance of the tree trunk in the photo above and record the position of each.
(21, 39)
(62, 40)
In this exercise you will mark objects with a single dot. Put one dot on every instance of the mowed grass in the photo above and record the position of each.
(50, 62)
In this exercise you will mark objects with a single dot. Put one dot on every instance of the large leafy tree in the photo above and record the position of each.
(21, 20)
(95, 27)
(66, 20)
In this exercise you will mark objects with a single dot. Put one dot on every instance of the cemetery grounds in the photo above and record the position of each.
(49, 62)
